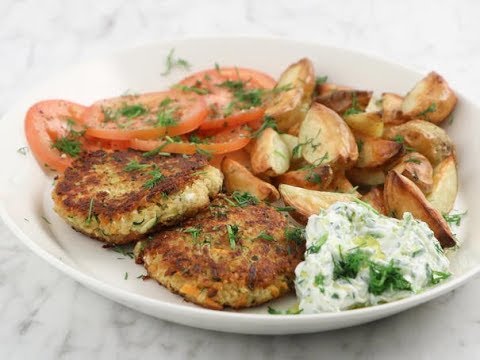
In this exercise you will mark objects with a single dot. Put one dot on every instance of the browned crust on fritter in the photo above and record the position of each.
(83, 178)
(206, 269)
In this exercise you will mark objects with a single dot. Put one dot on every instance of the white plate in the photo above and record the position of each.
(25, 190)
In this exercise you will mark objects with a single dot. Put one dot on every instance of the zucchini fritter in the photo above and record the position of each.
(232, 254)
(118, 197)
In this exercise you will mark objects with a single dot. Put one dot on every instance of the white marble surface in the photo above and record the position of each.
(45, 315)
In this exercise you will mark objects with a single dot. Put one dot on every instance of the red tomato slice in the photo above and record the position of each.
(226, 141)
(234, 95)
(146, 116)
(50, 121)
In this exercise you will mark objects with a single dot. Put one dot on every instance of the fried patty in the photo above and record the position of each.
(226, 256)
(118, 197)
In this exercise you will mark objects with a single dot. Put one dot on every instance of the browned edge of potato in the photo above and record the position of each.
(402, 195)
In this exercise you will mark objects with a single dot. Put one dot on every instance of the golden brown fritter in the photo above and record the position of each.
(226, 256)
(118, 197)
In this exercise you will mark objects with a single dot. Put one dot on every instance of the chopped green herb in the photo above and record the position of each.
(268, 122)
(313, 178)
(90, 212)
(315, 248)
(348, 266)
(360, 145)
(194, 232)
(454, 219)
(399, 139)
(155, 151)
(23, 150)
(156, 177)
(165, 118)
(233, 85)
(193, 89)
(386, 277)
(244, 198)
(134, 165)
(125, 250)
(217, 67)
(318, 281)
(265, 236)
(203, 152)
(437, 276)
(125, 276)
(232, 231)
(296, 234)
(46, 220)
(319, 80)
(354, 108)
(194, 138)
(132, 111)
(171, 63)
(68, 145)
(431, 108)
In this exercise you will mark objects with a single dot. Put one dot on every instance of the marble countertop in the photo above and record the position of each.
(46, 315)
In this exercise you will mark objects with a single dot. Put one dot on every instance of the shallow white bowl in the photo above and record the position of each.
(25, 189)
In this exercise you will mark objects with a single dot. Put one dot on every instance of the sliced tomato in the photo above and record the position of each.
(234, 95)
(223, 142)
(145, 116)
(49, 121)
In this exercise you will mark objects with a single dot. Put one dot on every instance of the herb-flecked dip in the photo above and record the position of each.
(357, 257)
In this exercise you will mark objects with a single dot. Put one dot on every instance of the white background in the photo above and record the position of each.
(45, 315)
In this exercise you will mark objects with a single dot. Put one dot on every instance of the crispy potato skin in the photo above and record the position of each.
(374, 152)
(430, 99)
(270, 155)
(418, 169)
(375, 198)
(318, 178)
(309, 202)
(402, 195)
(426, 138)
(210, 270)
(366, 176)
(120, 207)
(324, 132)
(445, 186)
(341, 100)
(328, 88)
(237, 177)
(367, 124)
(289, 107)
(392, 109)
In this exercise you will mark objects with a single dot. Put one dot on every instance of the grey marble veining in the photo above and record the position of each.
(46, 315)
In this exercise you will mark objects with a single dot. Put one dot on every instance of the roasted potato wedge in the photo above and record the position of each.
(425, 137)
(366, 176)
(342, 100)
(373, 152)
(392, 109)
(292, 144)
(341, 184)
(375, 198)
(417, 168)
(326, 138)
(289, 106)
(270, 155)
(295, 129)
(430, 99)
(328, 88)
(237, 177)
(318, 178)
(309, 202)
(240, 156)
(369, 124)
(445, 186)
(402, 195)
(374, 105)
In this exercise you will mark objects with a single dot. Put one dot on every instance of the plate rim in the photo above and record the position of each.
(116, 293)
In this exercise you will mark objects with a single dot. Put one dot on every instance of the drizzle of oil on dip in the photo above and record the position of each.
(357, 257)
